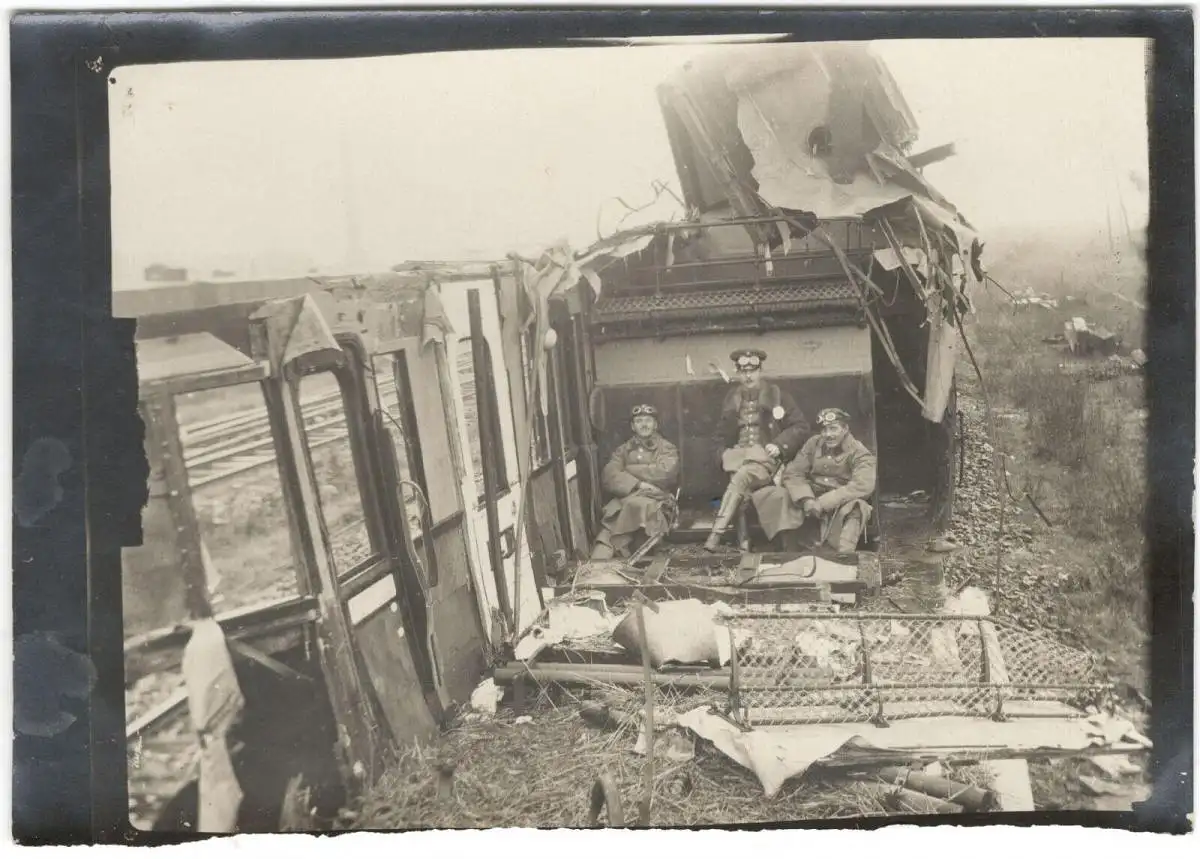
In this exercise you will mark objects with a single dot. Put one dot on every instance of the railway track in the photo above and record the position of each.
(217, 449)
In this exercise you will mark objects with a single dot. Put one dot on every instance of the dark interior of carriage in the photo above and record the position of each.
(286, 730)
(688, 414)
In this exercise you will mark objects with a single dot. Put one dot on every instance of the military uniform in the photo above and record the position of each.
(840, 480)
(751, 418)
(636, 505)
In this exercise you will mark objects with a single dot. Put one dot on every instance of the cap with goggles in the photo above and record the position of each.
(748, 359)
(643, 409)
(825, 417)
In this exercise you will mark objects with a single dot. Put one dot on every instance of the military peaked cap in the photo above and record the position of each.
(748, 358)
(832, 416)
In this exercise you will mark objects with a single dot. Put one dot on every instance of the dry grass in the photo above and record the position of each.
(540, 774)
(1077, 446)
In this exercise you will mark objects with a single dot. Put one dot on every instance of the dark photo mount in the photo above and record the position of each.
(80, 470)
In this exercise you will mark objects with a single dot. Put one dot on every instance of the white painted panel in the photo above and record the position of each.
(455, 302)
(842, 350)
(371, 598)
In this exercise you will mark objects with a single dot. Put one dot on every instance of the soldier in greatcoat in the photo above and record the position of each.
(829, 480)
(641, 475)
(760, 428)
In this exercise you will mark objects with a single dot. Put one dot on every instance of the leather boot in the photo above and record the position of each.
(790, 541)
(743, 528)
(603, 550)
(847, 541)
(729, 506)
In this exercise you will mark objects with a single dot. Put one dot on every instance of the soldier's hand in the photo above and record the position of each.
(772, 450)
(810, 507)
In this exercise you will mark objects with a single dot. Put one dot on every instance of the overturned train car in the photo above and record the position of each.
(363, 489)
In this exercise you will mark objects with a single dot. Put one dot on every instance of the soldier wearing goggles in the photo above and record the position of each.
(828, 483)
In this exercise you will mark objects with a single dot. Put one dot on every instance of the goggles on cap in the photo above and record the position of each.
(748, 362)
(832, 416)
(638, 411)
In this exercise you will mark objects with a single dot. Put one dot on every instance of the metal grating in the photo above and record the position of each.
(813, 669)
(673, 302)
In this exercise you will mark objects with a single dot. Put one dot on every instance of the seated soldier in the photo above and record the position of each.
(642, 475)
(828, 481)
(760, 427)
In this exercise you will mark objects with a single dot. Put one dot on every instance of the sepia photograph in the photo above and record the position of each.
(695, 432)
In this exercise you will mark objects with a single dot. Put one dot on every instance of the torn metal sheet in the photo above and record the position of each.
(824, 126)
(915, 257)
(615, 248)
(294, 327)
(776, 754)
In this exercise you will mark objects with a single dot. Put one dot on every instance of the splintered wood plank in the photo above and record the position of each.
(655, 571)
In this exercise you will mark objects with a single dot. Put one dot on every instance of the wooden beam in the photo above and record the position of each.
(164, 430)
(1010, 778)
(166, 653)
(159, 713)
(932, 156)
(490, 446)
(659, 592)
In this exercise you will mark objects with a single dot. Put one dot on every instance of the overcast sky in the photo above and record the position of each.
(274, 168)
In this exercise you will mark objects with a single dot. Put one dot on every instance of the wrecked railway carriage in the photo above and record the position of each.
(429, 455)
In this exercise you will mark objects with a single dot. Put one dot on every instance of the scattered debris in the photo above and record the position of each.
(904, 801)
(1115, 766)
(486, 697)
(575, 618)
(523, 720)
(672, 744)
(941, 545)
(1084, 339)
(1029, 298)
(1099, 787)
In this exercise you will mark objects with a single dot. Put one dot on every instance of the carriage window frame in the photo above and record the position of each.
(410, 438)
(206, 526)
(372, 514)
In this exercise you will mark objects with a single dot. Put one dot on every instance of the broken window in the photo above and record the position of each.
(237, 494)
(392, 383)
(326, 432)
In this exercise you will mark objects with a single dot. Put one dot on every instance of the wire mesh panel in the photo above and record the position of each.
(821, 668)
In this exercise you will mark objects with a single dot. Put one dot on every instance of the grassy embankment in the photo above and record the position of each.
(1073, 443)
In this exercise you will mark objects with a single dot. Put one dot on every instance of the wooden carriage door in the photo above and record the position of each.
(354, 534)
(486, 427)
